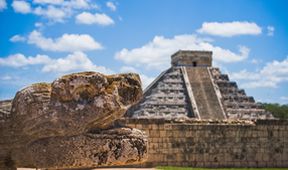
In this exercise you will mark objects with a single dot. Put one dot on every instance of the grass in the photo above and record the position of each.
(186, 168)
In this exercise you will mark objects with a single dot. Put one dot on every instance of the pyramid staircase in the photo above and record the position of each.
(192, 88)
(206, 99)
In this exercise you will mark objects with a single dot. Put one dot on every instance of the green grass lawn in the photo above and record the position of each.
(184, 168)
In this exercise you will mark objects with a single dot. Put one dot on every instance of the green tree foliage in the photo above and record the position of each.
(278, 111)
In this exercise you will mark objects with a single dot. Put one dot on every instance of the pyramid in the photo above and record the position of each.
(193, 88)
(5, 107)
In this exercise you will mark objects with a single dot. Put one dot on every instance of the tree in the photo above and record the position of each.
(278, 111)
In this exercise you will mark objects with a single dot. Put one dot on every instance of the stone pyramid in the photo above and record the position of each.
(192, 88)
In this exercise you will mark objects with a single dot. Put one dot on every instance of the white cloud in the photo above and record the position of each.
(256, 61)
(48, 1)
(79, 4)
(279, 68)
(65, 43)
(38, 24)
(259, 84)
(156, 54)
(19, 60)
(270, 30)
(270, 75)
(284, 98)
(146, 80)
(245, 75)
(52, 13)
(128, 69)
(17, 38)
(72, 4)
(53, 10)
(3, 5)
(6, 78)
(77, 61)
(229, 29)
(88, 18)
(111, 6)
(21, 7)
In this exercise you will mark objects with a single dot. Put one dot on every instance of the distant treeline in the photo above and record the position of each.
(278, 111)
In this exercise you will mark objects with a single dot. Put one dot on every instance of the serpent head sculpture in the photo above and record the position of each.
(70, 123)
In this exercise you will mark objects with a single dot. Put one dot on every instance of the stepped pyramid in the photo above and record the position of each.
(5, 107)
(192, 88)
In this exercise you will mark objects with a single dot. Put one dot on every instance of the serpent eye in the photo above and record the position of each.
(84, 92)
(130, 89)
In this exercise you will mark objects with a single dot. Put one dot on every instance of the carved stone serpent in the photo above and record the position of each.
(70, 123)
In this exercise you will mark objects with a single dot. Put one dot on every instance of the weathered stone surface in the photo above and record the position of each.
(236, 103)
(166, 99)
(112, 147)
(193, 88)
(70, 123)
(215, 143)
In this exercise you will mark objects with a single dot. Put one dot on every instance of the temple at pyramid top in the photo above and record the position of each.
(192, 88)
(192, 58)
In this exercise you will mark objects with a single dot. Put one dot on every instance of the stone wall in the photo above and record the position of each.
(263, 143)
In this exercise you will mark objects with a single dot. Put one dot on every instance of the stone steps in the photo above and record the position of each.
(242, 105)
(236, 103)
(158, 103)
(158, 96)
(238, 98)
(167, 97)
(204, 93)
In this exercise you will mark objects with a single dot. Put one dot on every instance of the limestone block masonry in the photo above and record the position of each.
(192, 88)
(197, 143)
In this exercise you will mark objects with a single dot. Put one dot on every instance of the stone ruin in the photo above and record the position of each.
(193, 88)
(195, 116)
(191, 114)
(70, 123)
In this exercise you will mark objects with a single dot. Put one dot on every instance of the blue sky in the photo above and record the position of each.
(44, 39)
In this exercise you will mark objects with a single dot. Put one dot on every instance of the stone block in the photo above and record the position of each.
(138, 126)
(179, 157)
(170, 157)
(162, 133)
(150, 126)
(154, 127)
(169, 134)
(161, 126)
(167, 126)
